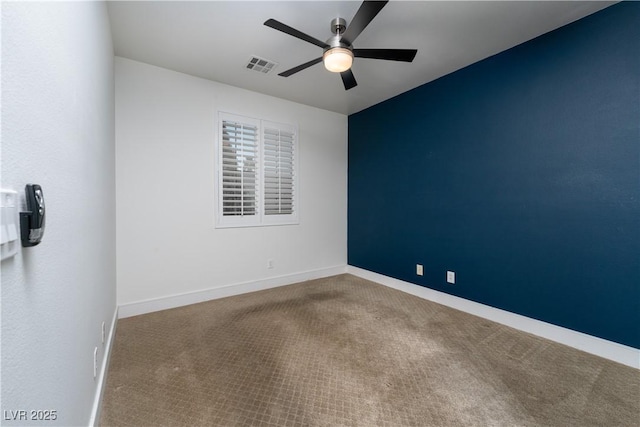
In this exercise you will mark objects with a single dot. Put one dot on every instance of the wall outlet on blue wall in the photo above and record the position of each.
(419, 270)
(451, 277)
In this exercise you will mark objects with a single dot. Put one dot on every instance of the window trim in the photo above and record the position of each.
(261, 219)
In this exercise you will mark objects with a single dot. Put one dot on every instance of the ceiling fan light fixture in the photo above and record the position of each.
(338, 59)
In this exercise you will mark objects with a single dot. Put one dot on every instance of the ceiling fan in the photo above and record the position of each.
(338, 50)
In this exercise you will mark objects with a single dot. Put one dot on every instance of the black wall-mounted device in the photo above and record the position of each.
(32, 221)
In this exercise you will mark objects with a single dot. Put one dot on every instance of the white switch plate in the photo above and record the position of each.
(10, 224)
(419, 270)
(451, 277)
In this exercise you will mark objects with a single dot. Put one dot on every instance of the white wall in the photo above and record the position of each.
(58, 131)
(165, 164)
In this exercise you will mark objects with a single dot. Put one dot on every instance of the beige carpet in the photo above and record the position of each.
(343, 351)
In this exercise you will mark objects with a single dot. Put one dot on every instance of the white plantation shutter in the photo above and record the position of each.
(257, 175)
(279, 172)
(239, 167)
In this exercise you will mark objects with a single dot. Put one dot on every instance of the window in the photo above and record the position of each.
(257, 173)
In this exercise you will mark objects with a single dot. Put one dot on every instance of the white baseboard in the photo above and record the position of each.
(102, 375)
(157, 304)
(609, 350)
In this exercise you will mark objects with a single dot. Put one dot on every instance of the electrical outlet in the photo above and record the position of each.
(419, 270)
(95, 362)
(451, 277)
(103, 333)
(270, 264)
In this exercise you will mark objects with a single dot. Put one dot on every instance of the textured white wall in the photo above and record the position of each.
(166, 240)
(58, 131)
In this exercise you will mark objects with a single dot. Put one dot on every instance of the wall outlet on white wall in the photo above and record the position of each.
(270, 264)
(103, 333)
(419, 270)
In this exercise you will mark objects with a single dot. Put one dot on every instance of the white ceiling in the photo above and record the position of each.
(215, 39)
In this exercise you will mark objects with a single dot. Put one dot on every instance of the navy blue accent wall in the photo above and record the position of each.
(521, 173)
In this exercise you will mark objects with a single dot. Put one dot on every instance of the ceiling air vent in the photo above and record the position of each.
(261, 65)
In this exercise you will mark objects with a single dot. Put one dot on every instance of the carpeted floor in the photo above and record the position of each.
(344, 351)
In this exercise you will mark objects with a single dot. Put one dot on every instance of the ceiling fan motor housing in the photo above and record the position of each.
(334, 42)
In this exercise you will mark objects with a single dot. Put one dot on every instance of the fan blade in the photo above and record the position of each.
(368, 10)
(405, 55)
(300, 67)
(293, 32)
(348, 79)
